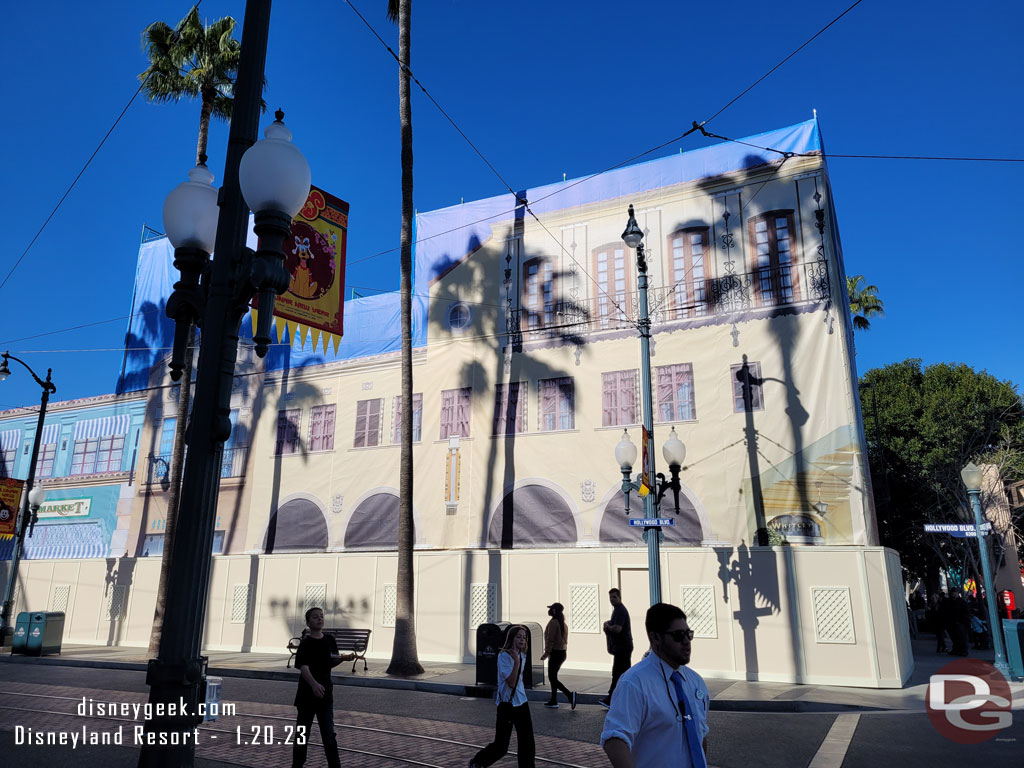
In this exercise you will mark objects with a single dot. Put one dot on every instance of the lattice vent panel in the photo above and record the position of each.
(833, 615)
(584, 610)
(117, 602)
(698, 603)
(390, 605)
(483, 604)
(316, 597)
(241, 600)
(61, 596)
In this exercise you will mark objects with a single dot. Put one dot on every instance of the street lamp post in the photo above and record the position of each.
(272, 179)
(972, 476)
(33, 497)
(650, 490)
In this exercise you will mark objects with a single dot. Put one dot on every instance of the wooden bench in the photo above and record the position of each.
(349, 640)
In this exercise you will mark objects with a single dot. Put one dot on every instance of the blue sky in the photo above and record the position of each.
(542, 89)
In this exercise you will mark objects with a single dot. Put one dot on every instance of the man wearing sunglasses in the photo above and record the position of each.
(659, 715)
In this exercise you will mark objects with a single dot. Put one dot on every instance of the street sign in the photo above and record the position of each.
(650, 522)
(958, 530)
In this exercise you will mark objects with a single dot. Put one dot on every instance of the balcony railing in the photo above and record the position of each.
(759, 291)
(232, 465)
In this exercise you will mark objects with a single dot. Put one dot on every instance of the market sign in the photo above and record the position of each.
(65, 508)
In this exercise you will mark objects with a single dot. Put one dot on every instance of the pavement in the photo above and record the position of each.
(460, 679)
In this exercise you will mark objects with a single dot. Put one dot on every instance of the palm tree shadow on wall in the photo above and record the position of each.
(510, 362)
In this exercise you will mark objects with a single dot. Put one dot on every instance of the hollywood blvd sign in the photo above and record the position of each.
(958, 530)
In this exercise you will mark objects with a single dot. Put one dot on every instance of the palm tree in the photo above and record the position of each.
(404, 657)
(864, 302)
(197, 60)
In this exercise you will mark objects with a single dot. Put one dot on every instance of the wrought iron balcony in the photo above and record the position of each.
(232, 465)
(762, 292)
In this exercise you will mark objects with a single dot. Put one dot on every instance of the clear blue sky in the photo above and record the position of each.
(542, 89)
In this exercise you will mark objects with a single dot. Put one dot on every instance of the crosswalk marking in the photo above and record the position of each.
(833, 749)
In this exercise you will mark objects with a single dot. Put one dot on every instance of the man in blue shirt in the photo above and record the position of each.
(659, 716)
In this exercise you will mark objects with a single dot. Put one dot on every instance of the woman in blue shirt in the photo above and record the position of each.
(513, 711)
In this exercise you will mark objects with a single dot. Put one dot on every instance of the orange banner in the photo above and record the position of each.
(315, 258)
(10, 503)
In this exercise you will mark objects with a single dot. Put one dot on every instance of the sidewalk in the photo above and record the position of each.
(460, 680)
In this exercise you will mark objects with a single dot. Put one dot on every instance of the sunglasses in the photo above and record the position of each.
(680, 634)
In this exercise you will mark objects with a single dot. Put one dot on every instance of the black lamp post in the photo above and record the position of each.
(32, 497)
(272, 178)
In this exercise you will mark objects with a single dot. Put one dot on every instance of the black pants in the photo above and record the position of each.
(555, 661)
(323, 710)
(621, 661)
(509, 717)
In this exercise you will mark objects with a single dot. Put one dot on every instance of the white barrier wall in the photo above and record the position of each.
(827, 616)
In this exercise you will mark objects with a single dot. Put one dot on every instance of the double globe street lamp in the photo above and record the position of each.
(625, 452)
(272, 179)
(35, 496)
(972, 476)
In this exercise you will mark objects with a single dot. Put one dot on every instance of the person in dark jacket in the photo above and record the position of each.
(556, 643)
(958, 624)
(937, 620)
(316, 656)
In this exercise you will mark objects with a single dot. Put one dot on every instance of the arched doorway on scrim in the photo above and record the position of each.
(298, 525)
(541, 517)
(616, 530)
(373, 526)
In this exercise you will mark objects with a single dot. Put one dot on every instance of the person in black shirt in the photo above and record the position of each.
(316, 656)
(619, 637)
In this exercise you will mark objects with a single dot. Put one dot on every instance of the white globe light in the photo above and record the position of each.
(190, 211)
(673, 450)
(274, 174)
(625, 452)
(971, 475)
(36, 497)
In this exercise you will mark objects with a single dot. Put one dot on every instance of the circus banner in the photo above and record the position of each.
(315, 258)
(10, 503)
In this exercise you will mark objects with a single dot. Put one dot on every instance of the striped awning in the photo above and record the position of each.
(62, 541)
(50, 434)
(105, 426)
(10, 438)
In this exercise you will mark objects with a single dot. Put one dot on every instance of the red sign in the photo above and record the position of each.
(10, 504)
(314, 256)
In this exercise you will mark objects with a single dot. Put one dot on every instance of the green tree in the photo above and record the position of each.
(864, 302)
(923, 424)
(404, 656)
(196, 60)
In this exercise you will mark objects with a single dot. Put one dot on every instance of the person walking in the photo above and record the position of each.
(556, 642)
(619, 639)
(513, 711)
(316, 655)
(659, 716)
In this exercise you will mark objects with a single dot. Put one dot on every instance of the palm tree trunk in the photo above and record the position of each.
(204, 128)
(404, 657)
(173, 493)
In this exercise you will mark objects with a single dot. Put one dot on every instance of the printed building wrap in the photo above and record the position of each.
(526, 371)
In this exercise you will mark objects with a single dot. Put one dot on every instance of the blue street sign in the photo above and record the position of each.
(958, 530)
(650, 522)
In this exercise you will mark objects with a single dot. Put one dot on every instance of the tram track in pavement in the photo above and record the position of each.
(256, 733)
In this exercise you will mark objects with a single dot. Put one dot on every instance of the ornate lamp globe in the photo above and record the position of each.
(971, 475)
(274, 174)
(190, 211)
(36, 497)
(674, 450)
(625, 452)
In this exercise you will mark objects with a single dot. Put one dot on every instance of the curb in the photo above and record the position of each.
(453, 689)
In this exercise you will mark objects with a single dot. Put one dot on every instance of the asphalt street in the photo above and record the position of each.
(381, 727)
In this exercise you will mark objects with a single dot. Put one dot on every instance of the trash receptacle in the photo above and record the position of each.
(45, 633)
(489, 639)
(20, 640)
(1013, 632)
(213, 686)
(533, 669)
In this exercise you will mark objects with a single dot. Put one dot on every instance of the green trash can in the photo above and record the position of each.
(1013, 633)
(20, 640)
(45, 633)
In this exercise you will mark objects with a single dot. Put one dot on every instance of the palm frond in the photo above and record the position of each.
(393, 7)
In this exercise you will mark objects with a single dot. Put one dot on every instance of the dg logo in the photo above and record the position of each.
(969, 701)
